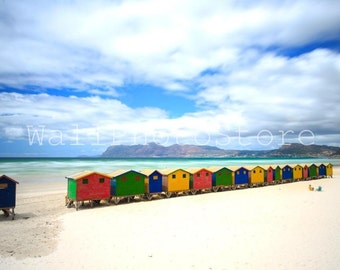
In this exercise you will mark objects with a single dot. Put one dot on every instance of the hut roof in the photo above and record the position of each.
(148, 171)
(250, 168)
(216, 168)
(79, 175)
(296, 165)
(195, 170)
(235, 168)
(122, 171)
(170, 170)
(8, 178)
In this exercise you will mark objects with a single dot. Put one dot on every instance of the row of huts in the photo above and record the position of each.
(94, 186)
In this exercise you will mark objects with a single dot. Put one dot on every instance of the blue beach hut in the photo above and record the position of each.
(241, 176)
(7, 195)
(153, 182)
(287, 173)
(322, 170)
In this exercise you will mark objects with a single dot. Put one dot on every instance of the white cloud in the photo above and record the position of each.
(103, 42)
(215, 54)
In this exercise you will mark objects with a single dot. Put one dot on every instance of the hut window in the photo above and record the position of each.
(244, 172)
(173, 176)
(123, 178)
(184, 175)
(137, 178)
(254, 171)
(219, 174)
(101, 180)
(85, 181)
(155, 177)
(198, 175)
(237, 172)
(3, 186)
(206, 174)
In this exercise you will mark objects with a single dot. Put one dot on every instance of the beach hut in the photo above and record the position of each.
(87, 186)
(153, 182)
(221, 178)
(297, 172)
(256, 176)
(241, 177)
(329, 170)
(322, 170)
(305, 172)
(313, 171)
(175, 180)
(200, 179)
(126, 184)
(278, 174)
(8, 195)
(287, 173)
(269, 175)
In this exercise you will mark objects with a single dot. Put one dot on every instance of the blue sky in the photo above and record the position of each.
(77, 77)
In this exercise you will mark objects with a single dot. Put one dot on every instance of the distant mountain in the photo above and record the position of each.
(300, 150)
(157, 150)
(176, 150)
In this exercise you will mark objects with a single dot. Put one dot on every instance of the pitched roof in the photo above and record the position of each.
(122, 171)
(195, 170)
(8, 178)
(82, 174)
(170, 170)
(148, 171)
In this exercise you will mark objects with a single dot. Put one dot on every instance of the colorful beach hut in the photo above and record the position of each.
(153, 182)
(87, 186)
(329, 170)
(269, 175)
(126, 183)
(322, 170)
(221, 178)
(241, 176)
(313, 171)
(256, 176)
(8, 195)
(200, 179)
(278, 174)
(297, 172)
(287, 173)
(175, 180)
(305, 172)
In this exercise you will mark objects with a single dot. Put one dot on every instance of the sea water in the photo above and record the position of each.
(56, 169)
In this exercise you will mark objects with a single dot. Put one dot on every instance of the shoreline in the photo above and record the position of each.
(238, 227)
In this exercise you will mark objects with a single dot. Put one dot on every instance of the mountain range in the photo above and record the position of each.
(177, 150)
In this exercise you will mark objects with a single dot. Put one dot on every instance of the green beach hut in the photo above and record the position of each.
(313, 171)
(222, 178)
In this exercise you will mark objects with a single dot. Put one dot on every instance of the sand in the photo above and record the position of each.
(275, 227)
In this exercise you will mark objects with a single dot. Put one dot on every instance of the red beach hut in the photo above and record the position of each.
(270, 175)
(200, 179)
(87, 186)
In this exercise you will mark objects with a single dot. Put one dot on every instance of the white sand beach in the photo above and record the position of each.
(275, 227)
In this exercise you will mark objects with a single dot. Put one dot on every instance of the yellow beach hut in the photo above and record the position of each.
(329, 170)
(175, 180)
(297, 172)
(257, 175)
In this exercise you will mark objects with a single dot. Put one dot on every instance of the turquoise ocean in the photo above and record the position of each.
(56, 169)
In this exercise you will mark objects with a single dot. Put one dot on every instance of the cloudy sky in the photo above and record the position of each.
(79, 76)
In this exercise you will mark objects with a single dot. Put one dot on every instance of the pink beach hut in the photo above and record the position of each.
(270, 175)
